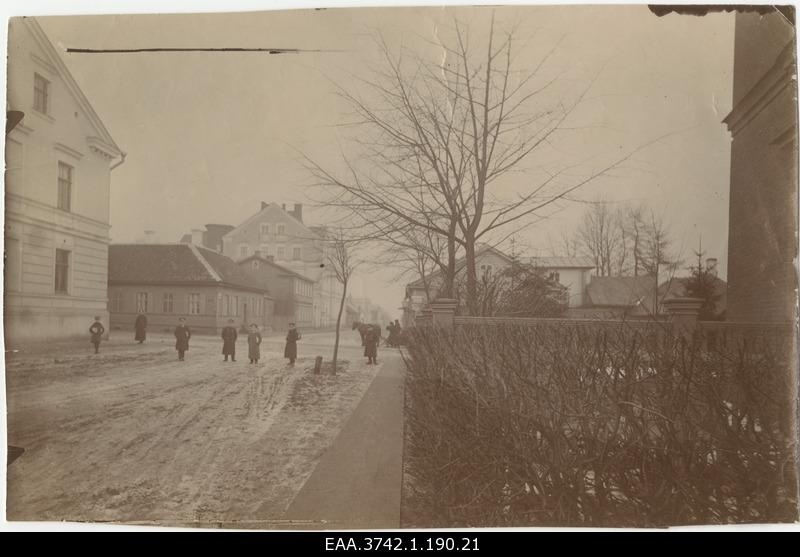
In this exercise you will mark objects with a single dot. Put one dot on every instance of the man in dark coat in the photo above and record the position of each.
(371, 340)
(253, 344)
(291, 344)
(96, 330)
(141, 328)
(182, 336)
(229, 336)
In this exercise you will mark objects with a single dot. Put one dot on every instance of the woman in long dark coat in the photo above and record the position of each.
(229, 336)
(291, 344)
(254, 344)
(182, 336)
(371, 340)
(141, 328)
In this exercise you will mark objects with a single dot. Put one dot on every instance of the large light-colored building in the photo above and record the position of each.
(58, 170)
(282, 235)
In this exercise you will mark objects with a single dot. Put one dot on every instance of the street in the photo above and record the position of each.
(133, 435)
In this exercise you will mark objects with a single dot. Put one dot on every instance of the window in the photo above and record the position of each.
(141, 302)
(236, 306)
(62, 271)
(264, 229)
(281, 229)
(555, 276)
(227, 306)
(64, 186)
(280, 253)
(194, 303)
(244, 250)
(41, 94)
(115, 303)
(167, 305)
(296, 254)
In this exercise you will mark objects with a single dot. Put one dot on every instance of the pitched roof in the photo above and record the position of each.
(621, 291)
(176, 264)
(676, 288)
(269, 207)
(281, 268)
(104, 142)
(561, 262)
(461, 263)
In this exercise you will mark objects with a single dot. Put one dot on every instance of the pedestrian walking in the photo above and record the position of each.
(229, 336)
(371, 340)
(141, 328)
(254, 344)
(291, 344)
(96, 330)
(182, 336)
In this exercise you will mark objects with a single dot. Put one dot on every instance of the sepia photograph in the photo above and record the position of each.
(402, 268)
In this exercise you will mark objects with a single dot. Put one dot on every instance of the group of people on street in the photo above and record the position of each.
(395, 332)
(183, 334)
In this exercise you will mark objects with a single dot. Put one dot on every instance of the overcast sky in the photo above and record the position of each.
(209, 136)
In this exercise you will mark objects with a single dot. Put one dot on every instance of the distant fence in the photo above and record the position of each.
(681, 318)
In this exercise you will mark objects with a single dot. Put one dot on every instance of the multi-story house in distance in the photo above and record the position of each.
(282, 235)
(59, 160)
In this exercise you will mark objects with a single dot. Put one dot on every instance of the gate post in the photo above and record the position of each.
(444, 312)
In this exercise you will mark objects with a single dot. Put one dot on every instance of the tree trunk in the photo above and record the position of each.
(472, 278)
(338, 323)
(448, 285)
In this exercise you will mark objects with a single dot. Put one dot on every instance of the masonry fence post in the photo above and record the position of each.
(683, 314)
(444, 312)
(425, 317)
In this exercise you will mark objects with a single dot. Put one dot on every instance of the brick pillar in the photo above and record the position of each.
(444, 310)
(424, 318)
(683, 313)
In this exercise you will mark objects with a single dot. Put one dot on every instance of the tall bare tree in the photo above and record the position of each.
(600, 237)
(436, 140)
(342, 262)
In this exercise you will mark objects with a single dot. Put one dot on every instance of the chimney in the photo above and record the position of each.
(269, 257)
(711, 265)
(263, 205)
(197, 236)
(283, 206)
(298, 211)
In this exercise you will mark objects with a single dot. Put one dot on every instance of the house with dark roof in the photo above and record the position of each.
(293, 292)
(282, 234)
(169, 281)
(617, 297)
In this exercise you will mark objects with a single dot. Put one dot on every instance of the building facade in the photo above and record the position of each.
(762, 243)
(282, 235)
(169, 281)
(59, 160)
(293, 293)
(574, 273)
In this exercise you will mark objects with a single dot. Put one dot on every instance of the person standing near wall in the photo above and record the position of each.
(96, 330)
(182, 336)
(141, 328)
(229, 336)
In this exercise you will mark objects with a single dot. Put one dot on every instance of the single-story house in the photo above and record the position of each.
(168, 281)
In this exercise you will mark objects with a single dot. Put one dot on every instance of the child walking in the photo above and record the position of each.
(96, 330)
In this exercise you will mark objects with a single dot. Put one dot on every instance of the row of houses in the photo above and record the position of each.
(60, 269)
(588, 295)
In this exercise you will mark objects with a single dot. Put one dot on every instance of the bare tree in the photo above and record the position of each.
(600, 237)
(342, 262)
(436, 139)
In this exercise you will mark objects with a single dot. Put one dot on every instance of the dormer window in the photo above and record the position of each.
(264, 229)
(281, 229)
(41, 94)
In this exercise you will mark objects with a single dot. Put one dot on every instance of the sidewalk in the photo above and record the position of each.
(357, 483)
